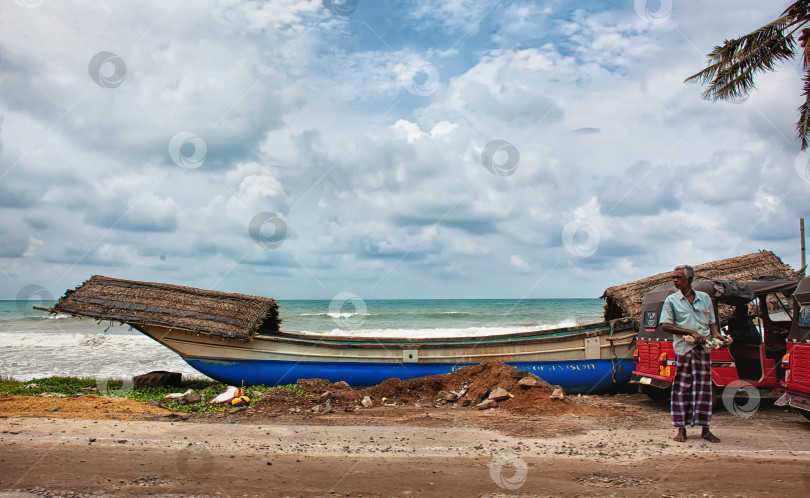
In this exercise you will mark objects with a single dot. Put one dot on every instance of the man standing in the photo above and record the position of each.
(689, 313)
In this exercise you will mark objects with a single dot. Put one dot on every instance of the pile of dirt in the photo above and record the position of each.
(473, 383)
(89, 406)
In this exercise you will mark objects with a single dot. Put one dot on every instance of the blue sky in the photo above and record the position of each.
(303, 149)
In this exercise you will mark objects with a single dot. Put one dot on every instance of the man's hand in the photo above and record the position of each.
(699, 339)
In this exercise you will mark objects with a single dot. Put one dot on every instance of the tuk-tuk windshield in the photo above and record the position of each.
(777, 307)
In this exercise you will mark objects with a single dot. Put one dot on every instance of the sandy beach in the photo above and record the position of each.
(618, 446)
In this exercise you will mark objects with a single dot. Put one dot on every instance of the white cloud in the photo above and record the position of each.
(33, 245)
(518, 263)
(308, 115)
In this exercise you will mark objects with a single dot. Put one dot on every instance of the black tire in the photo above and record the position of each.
(805, 414)
(658, 395)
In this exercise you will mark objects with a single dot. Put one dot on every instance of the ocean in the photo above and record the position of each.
(34, 344)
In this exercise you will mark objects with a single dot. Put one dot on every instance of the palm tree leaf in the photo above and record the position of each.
(803, 126)
(732, 66)
(801, 4)
(806, 57)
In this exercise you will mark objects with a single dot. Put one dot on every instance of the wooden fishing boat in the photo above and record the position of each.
(235, 338)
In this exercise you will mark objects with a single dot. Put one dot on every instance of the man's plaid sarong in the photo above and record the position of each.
(692, 389)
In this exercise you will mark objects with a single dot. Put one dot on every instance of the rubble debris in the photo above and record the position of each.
(557, 394)
(367, 403)
(177, 395)
(192, 398)
(481, 397)
(226, 396)
(529, 381)
(499, 394)
(489, 403)
(158, 378)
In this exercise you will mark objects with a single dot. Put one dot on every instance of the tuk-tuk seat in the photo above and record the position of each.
(741, 327)
(775, 352)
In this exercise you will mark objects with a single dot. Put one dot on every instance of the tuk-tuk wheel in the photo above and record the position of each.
(657, 395)
(805, 414)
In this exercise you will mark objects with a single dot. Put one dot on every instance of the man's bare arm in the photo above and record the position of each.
(715, 330)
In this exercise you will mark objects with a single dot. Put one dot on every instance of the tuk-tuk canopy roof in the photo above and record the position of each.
(626, 299)
(802, 293)
(718, 289)
(725, 292)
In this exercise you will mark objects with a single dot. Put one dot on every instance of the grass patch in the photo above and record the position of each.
(119, 388)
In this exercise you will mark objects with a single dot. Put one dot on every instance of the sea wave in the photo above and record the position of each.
(440, 332)
(27, 356)
(335, 315)
(389, 314)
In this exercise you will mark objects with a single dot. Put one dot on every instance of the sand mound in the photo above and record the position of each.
(473, 382)
(89, 406)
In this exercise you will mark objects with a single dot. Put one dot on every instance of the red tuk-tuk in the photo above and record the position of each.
(759, 335)
(796, 362)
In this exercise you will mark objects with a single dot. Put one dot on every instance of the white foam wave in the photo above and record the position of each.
(335, 315)
(440, 332)
(27, 356)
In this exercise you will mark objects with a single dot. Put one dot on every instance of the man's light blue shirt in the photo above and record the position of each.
(698, 316)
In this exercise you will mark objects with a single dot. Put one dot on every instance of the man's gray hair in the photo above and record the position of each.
(687, 270)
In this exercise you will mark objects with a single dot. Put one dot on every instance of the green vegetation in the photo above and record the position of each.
(71, 386)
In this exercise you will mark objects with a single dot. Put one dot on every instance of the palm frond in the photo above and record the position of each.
(799, 4)
(806, 57)
(803, 126)
(732, 66)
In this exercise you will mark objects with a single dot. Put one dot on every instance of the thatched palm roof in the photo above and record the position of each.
(148, 303)
(625, 300)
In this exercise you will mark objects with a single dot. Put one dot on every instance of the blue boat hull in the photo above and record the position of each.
(574, 376)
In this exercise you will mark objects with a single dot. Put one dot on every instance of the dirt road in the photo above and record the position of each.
(422, 451)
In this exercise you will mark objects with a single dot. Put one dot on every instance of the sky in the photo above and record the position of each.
(385, 149)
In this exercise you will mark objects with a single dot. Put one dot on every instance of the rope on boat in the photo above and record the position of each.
(613, 356)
